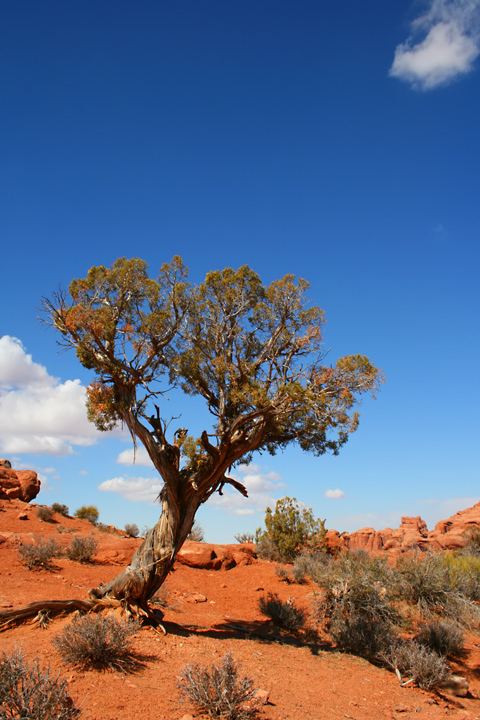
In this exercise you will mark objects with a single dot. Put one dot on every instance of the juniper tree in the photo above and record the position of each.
(253, 353)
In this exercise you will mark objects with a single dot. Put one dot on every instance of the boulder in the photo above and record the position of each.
(18, 484)
(215, 557)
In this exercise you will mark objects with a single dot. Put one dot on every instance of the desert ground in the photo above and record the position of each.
(208, 614)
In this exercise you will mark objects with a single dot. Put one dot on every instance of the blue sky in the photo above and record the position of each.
(336, 141)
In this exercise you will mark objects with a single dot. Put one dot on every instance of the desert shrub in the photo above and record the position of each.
(30, 692)
(310, 565)
(245, 538)
(360, 618)
(443, 636)
(132, 530)
(94, 641)
(219, 691)
(196, 534)
(416, 662)
(472, 541)
(38, 554)
(283, 574)
(102, 527)
(89, 513)
(437, 584)
(60, 509)
(45, 513)
(290, 529)
(81, 549)
(464, 571)
(284, 615)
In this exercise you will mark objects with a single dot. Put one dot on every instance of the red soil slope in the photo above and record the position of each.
(301, 681)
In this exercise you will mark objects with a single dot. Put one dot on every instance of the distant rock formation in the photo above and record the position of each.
(17, 484)
(215, 557)
(412, 533)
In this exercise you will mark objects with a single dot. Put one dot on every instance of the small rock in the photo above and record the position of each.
(196, 598)
(187, 717)
(455, 685)
(23, 516)
(262, 696)
(259, 589)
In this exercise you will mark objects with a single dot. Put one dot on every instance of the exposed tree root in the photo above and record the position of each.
(10, 618)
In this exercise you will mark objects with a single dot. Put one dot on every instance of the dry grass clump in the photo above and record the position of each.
(45, 513)
(245, 538)
(416, 662)
(444, 637)
(284, 615)
(81, 549)
(38, 554)
(219, 691)
(94, 641)
(60, 509)
(132, 530)
(29, 692)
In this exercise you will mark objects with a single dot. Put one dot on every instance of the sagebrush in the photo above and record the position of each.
(82, 549)
(219, 690)
(38, 554)
(94, 641)
(284, 615)
(31, 692)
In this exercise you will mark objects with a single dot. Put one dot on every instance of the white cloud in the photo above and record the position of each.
(134, 489)
(38, 413)
(444, 44)
(334, 494)
(261, 488)
(141, 457)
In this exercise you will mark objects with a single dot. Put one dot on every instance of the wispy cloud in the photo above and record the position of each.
(261, 487)
(38, 413)
(133, 489)
(334, 494)
(443, 44)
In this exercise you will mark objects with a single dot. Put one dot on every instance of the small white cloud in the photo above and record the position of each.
(38, 413)
(444, 44)
(134, 489)
(334, 494)
(137, 457)
(261, 487)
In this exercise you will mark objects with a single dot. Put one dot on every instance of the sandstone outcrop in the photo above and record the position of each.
(215, 557)
(17, 484)
(412, 533)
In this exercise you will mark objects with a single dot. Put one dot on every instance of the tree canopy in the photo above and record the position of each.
(254, 353)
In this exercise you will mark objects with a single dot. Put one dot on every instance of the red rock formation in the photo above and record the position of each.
(412, 533)
(17, 484)
(215, 557)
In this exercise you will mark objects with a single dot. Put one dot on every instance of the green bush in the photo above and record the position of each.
(29, 692)
(94, 641)
(289, 529)
(284, 615)
(219, 691)
(60, 509)
(89, 513)
(38, 554)
(81, 549)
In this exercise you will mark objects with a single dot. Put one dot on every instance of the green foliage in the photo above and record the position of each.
(95, 641)
(254, 353)
(290, 529)
(30, 692)
(81, 549)
(219, 691)
(88, 512)
(38, 554)
(60, 509)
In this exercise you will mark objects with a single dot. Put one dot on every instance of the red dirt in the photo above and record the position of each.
(302, 681)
